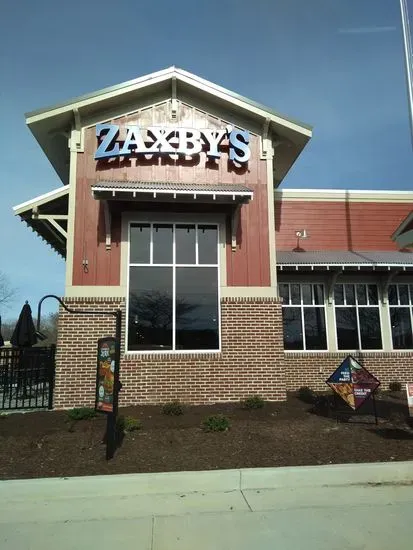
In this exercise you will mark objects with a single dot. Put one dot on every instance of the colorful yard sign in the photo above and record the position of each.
(105, 378)
(353, 382)
(409, 391)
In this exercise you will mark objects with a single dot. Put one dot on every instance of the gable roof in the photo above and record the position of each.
(51, 125)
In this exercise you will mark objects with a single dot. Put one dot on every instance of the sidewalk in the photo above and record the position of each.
(344, 507)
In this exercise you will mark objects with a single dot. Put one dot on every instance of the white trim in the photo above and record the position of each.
(70, 242)
(161, 76)
(160, 220)
(58, 227)
(301, 306)
(357, 306)
(52, 216)
(356, 195)
(409, 305)
(271, 214)
(86, 291)
(247, 291)
(41, 199)
(343, 266)
(172, 352)
(115, 190)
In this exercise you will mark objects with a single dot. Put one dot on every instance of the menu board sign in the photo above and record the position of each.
(353, 382)
(409, 391)
(105, 378)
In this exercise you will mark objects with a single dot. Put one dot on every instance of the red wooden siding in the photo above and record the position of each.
(248, 266)
(338, 225)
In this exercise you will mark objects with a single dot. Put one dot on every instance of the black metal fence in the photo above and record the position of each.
(27, 378)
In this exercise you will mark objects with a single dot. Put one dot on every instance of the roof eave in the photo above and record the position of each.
(160, 76)
(41, 199)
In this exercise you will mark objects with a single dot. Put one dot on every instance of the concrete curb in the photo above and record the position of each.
(327, 476)
(212, 481)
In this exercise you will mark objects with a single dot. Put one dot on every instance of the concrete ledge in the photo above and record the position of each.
(327, 476)
(211, 481)
(123, 485)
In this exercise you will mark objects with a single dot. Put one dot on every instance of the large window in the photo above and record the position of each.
(357, 317)
(400, 305)
(303, 316)
(173, 287)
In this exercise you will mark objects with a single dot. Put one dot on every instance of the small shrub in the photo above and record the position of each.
(216, 423)
(173, 409)
(82, 413)
(127, 424)
(395, 386)
(306, 394)
(254, 402)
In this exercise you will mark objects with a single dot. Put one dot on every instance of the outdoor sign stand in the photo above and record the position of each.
(112, 381)
(108, 387)
(354, 384)
(349, 411)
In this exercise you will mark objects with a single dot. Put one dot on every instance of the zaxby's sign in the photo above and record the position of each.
(158, 140)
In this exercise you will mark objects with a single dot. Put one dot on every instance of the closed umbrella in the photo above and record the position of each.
(23, 337)
(24, 334)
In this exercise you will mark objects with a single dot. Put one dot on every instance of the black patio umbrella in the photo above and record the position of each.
(24, 334)
(1, 336)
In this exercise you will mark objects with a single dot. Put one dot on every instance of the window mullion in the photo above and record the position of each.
(357, 316)
(174, 288)
(151, 246)
(302, 316)
(196, 245)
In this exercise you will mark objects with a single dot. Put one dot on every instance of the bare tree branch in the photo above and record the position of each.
(7, 291)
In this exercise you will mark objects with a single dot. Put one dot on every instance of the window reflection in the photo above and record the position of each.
(185, 244)
(207, 244)
(173, 307)
(293, 329)
(140, 241)
(401, 328)
(150, 308)
(196, 308)
(162, 243)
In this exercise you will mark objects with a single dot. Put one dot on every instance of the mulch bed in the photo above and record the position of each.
(46, 444)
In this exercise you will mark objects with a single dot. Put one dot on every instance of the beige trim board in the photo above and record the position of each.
(40, 200)
(70, 241)
(95, 292)
(248, 292)
(271, 214)
(164, 75)
(121, 292)
(331, 195)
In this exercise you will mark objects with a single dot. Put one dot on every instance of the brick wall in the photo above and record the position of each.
(312, 369)
(251, 360)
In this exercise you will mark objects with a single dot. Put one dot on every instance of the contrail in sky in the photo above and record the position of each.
(366, 30)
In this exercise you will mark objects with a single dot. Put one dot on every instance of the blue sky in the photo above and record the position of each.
(335, 64)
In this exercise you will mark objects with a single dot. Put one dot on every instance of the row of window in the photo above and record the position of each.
(174, 298)
(358, 323)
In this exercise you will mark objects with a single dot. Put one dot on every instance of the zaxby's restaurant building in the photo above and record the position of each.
(169, 207)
